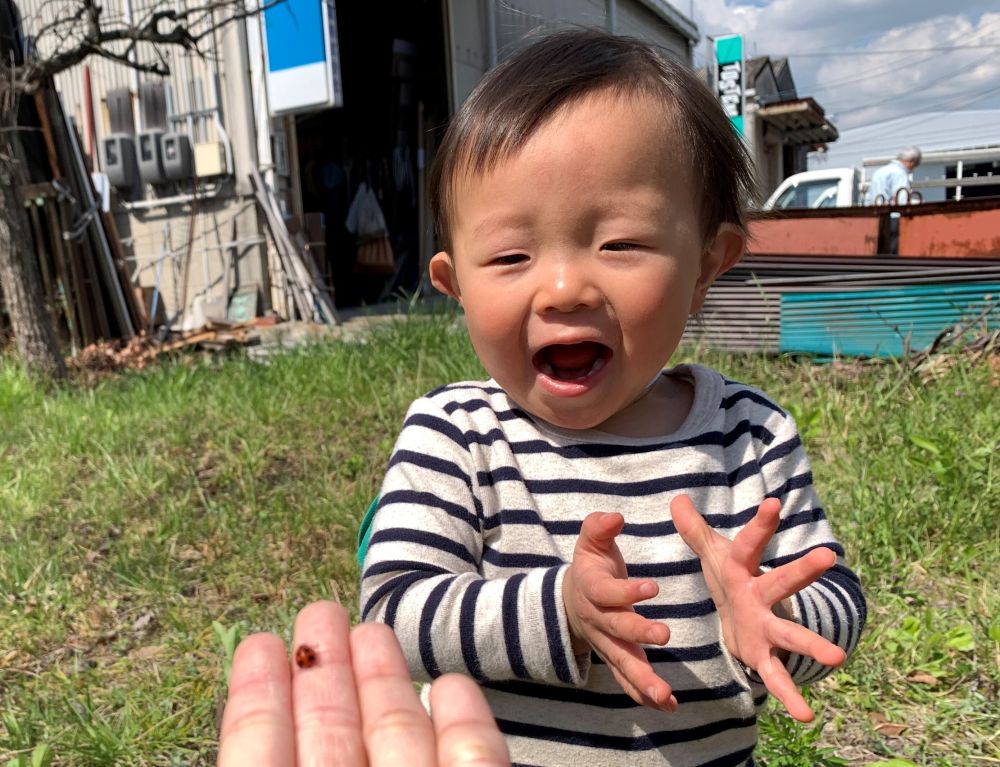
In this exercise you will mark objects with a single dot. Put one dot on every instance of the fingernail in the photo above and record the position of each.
(651, 692)
(672, 703)
(647, 589)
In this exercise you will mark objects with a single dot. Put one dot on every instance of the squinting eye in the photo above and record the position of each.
(617, 246)
(509, 260)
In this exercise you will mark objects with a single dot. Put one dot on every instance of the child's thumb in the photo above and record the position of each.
(598, 531)
(689, 523)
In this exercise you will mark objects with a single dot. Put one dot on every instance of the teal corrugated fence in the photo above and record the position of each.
(883, 322)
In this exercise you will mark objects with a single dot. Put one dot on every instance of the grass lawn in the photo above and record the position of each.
(148, 520)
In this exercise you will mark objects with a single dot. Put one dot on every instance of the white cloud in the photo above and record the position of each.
(860, 89)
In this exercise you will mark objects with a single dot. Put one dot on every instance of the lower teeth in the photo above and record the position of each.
(547, 369)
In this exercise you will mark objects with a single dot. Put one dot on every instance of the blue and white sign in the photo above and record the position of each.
(303, 56)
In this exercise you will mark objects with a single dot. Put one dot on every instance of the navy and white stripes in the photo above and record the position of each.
(479, 512)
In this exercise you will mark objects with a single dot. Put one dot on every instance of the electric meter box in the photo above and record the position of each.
(151, 157)
(119, 161)
(178, 160)
(210, 159)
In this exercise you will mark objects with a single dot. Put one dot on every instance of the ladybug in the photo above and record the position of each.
(305, 656)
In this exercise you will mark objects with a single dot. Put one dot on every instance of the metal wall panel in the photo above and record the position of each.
(884, 322)
(833, 235)
(635, 19)
(520, 21)
(743, 310)
(190, 84)
(950, 234)
(468, 47)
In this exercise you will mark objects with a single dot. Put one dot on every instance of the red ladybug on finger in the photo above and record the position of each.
(305, 656)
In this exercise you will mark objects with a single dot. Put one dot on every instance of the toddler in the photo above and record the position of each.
(626, 558)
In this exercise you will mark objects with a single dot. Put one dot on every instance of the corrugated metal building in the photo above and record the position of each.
(405, 65)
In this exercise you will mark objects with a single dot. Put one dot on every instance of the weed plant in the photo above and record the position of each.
(150, 520)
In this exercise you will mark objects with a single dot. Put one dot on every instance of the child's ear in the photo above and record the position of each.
(719, 257)
(443, 277)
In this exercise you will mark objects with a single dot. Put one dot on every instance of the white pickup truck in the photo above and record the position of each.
(828, 188)
(943, 175)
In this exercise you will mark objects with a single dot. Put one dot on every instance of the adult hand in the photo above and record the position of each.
(598, 596)
(748, 600)
(354, 706)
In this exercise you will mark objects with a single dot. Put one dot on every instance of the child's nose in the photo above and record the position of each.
(566, 288)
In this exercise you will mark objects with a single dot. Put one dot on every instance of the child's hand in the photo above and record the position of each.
(748, 600)
(599, 596)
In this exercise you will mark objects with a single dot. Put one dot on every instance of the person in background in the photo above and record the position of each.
(348, 701)
(888, 180)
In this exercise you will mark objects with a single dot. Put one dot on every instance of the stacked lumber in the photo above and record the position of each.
(86, 284)
(306, 295)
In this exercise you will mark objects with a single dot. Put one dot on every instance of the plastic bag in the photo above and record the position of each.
(365, 218)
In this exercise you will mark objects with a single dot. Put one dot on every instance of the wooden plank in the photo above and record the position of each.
(318, 301)
(299, 301)
(82, 188)
(42, 254)
(70, 290)
(50, 146)
(137, 309)
(91, 280)
(41, 189)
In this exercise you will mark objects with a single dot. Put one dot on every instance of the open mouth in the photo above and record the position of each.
(572, 362)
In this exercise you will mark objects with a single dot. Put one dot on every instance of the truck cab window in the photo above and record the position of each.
(809, 194)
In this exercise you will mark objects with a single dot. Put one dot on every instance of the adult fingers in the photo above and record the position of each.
(691, 525)
(798, 639)
(782, 582)
(779, 683)
(750, 542)
(327, 716)
(467, 734)
(257, 722)
(397, 730)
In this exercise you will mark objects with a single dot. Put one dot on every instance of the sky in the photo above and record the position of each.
(866, 61)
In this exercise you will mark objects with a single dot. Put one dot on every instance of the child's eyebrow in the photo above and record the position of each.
(495, 224)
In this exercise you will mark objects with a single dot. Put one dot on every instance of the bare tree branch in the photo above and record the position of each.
(76, 36)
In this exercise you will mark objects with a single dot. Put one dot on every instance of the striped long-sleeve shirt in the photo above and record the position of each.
(479, 513)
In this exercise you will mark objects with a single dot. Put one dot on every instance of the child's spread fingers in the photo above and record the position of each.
(257, 722)
(634, 673)
(779, 683)
(789, 579)
(327, 718)
(664, 701)
(629, 626)
(750, 542)
(690, 525)
(396, 728)
(618, 592)
(467, 734)
(798, 639)
(598, 531)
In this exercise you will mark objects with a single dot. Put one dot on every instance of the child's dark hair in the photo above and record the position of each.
(519, 95)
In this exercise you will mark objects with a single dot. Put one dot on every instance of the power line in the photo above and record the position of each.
(907, 93)
(978, 96)
(908, 61)
(931, 137)
(889, 52)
